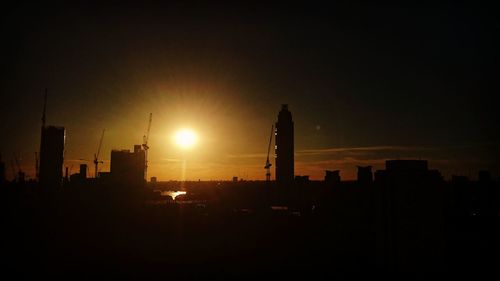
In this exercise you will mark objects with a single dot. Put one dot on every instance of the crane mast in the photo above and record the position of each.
(145, 146)
(96, 155)
(268, 164)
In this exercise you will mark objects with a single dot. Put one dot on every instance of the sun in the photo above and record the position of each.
(185, 138)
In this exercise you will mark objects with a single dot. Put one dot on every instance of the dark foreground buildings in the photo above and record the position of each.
(128, 168)
(332, 177)
(284, 147)
(411, 216)
(406, 222)
(51, 156)
(365, 175)
(399, 225)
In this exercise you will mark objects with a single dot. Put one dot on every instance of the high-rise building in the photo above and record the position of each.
(51, 156)
(284, 147)
(127, 167)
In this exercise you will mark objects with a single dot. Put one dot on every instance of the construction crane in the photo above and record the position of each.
(145, 146)
(96, 155)
(268, 164)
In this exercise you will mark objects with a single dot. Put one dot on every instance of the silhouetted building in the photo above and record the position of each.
(365, 174)
(332, 177)
(51, 156)
(83, 171)
(284, 147)
(411, 212)
(81, 177)
(436, 176)
(459, 179)
(127, 168)
(235, 179)
(104, 177)
(379, 176)
(75, 178)
(301, 179)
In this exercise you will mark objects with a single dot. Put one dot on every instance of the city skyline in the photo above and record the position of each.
(249, 140)
(362, 88)
(346, 164)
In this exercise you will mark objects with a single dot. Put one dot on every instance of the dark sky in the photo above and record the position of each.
(365, 82)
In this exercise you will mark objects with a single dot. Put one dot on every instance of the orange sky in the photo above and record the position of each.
(232, 138)
(361, 89)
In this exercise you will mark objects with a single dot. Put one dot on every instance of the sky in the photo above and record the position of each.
(364, 83)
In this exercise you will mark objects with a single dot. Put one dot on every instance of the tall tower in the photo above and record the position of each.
(51, 156)
(284, 147)
(51, 153)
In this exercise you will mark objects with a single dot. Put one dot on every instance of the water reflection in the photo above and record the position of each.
(172, 194)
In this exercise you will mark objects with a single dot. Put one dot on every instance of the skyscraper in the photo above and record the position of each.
(51, 156)
(284, 147)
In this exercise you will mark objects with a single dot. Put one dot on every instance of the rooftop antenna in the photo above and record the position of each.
(268, 164)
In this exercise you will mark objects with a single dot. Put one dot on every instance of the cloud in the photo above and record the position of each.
(389, 148)
(337, 150)
(170, 160)
(324, 151)
(248, 155)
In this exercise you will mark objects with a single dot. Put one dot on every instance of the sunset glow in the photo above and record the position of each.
(185, 138)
